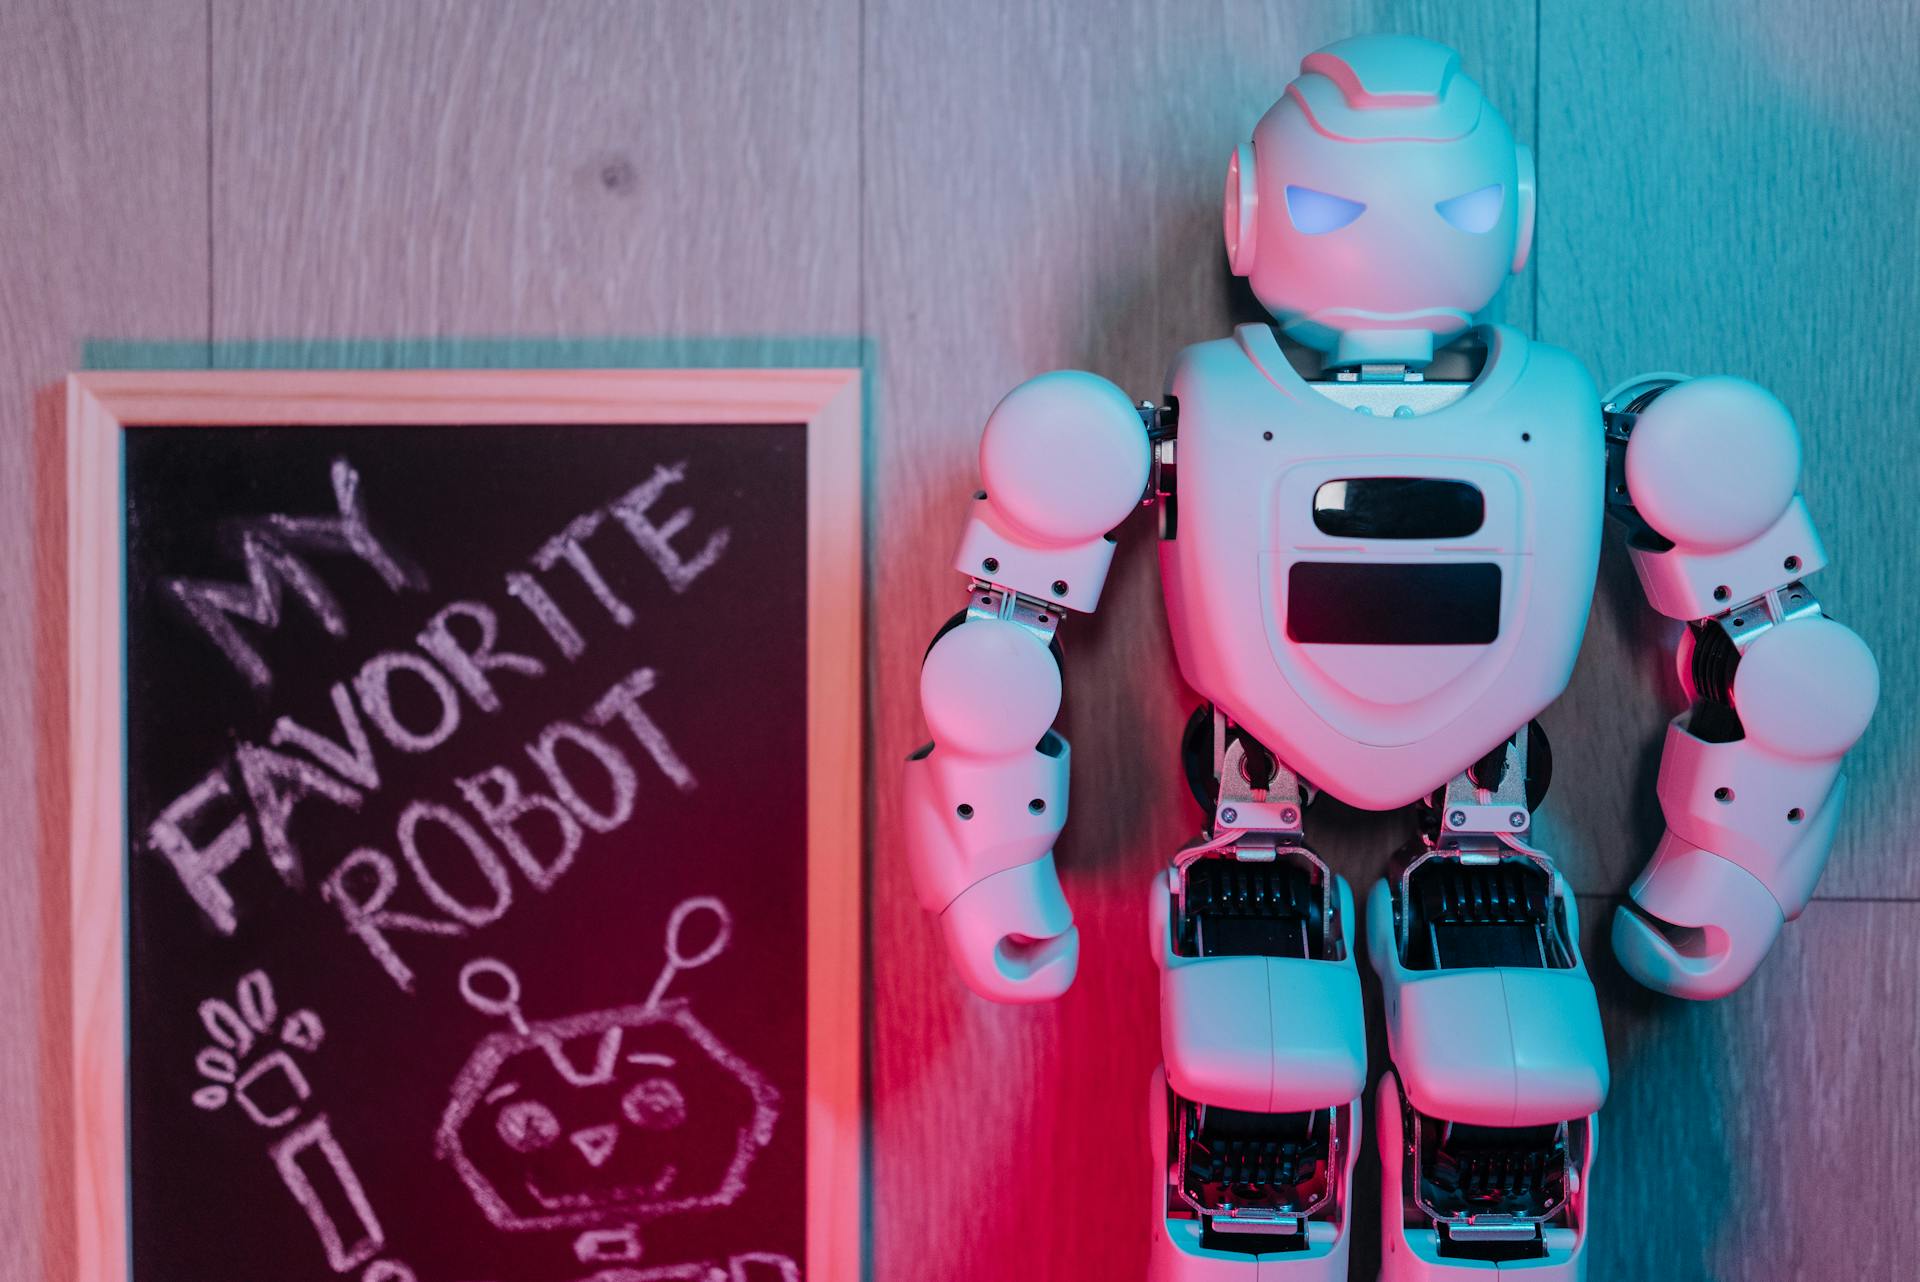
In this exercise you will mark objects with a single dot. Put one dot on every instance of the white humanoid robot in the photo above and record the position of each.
(1379, 544)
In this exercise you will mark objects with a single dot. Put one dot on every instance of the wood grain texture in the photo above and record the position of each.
(96, 860)
(1772, 1136)
(1730, 188)
(446, 398)
(102, 232)
(836, 837)
(681, 175)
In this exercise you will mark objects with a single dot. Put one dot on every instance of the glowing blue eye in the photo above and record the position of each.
(1314, 212)
(1477, 211)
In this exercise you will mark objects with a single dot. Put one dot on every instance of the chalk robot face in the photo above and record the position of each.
(608, 1118)
(1381, 203)
(616, 1115)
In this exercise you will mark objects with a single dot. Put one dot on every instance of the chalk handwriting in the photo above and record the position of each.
(362, 887)
(569, 546)
(621, 779)
(470, 666)
(275, 782)
(363, 907)
(495, 795)
(460, 661)
(526, 589)
(266, 549)
(199, 867)
(623, 701)
(374, 684)
(353, 760)
(609, 1095)
(656, 540)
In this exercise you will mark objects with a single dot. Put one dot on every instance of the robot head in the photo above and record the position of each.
(1381, 203)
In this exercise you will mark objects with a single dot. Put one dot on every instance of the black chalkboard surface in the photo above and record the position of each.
(467, 831)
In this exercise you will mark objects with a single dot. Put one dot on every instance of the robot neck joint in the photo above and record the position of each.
(1357, 347)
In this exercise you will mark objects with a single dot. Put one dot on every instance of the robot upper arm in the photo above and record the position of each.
(1064, 458)
(1709, 470)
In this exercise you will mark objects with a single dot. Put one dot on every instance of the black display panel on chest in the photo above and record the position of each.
(466, 853)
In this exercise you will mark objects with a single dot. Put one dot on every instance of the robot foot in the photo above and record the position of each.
(1460, 1201)
(1250, 1197)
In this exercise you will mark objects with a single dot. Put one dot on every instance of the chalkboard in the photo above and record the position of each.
(470, 866)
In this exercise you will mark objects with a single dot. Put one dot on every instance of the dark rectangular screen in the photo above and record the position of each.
(1376, 603)
(1398, 507)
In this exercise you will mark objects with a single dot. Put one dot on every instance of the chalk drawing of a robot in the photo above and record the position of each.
(754, 1267)
(602, 1121)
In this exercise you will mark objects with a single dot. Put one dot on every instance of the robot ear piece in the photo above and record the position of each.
(1243, 203)
(1523, 191)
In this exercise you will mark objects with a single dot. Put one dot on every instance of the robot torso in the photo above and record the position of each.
(1381, 595)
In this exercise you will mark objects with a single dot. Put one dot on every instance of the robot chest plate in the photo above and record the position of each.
(1381, 599)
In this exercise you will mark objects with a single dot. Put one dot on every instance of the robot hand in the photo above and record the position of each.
(1064, 458)
(1750, 779)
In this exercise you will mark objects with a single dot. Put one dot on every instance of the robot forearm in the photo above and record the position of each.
(1750, 779)
(1064, 459)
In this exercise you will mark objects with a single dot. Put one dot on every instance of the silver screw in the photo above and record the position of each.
(1457, 818)
(1229, 815)
(1518, 819)
(1289, 816)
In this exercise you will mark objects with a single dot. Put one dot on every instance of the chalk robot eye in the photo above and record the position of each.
(1316, 212)
(1475, 212)
(526, 1126)
(655, 1105)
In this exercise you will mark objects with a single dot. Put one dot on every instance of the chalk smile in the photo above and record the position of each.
(621, 1194)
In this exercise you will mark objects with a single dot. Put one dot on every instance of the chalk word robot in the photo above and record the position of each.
(1379, 531)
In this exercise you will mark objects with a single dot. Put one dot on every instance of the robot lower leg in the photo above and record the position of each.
(1256, 1117)
(1486, 1128)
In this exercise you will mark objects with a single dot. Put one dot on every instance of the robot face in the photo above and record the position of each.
(622, 1115)
(1387, 202)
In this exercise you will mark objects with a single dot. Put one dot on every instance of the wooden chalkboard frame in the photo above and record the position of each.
(101, 405)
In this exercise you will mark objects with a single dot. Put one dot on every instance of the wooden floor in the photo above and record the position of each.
(959, 196)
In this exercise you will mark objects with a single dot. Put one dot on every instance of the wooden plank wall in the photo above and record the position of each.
(961, 196)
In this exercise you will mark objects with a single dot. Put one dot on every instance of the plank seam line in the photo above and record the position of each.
(210, 186)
